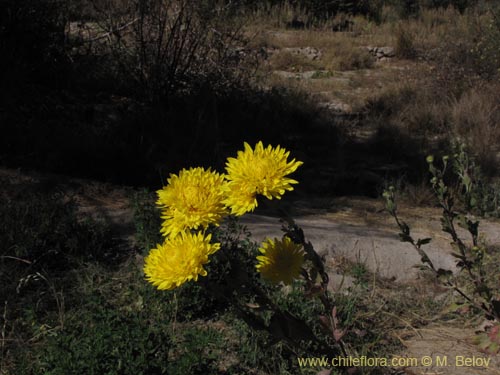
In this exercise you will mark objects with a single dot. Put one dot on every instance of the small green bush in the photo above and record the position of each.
(46, 231)
(405, 45)
(147, 220)
(479, 195)
(486, 49)
(354, 59)
(104, 340)
(480, 289)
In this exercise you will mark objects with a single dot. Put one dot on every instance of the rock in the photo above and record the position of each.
(309, 74)
(381, 53)
(294, 75)
(387, 51)
(381, 251)
(310, 53)
(337, 106)
(377, 246)
(267, 52)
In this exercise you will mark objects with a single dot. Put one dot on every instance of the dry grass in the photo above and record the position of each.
(419, 194)
(425, 108)
(325, 38)
(429, 29)
(405, 44)
(355, 88)
(476, 118)
(411, 106)
(432, 89)
(285, 60)
(348, 57)
(346, 50)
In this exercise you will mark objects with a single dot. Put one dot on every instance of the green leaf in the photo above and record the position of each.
(405, 238)
(442, 272)
(405, 228)
(458, 256)
(472, 227)
(423, 241)
(496, 306)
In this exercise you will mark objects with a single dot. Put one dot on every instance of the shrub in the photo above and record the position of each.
(481, 290)
(321, 10)
(353, 59)
(407, 8)
(405, 45)
(195, 202)
(106, 341)
(167, 47)
(285, 60)
(146, 219)
(460, 5)
(45, 231)
(479, 194)
(469, 52)
(109, 328)
(392, 101)
(31, 41)
(486, 47)
(475, 118)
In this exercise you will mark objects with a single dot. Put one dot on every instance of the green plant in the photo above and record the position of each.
(105, 340)
(474, 118)
(471, 257)
(198, 350)
(359, 272)
(489, 341)
(285, 60)
(353, 59)
(476, 55)
(146, 219)
(319, 74)
(193, 205)
(44, 240)
(175, 44)
(479, 196)
(45, 231)
(405, 45)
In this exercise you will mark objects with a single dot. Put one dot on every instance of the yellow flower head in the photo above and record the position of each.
(260, 171)
(178, 260)
(190, 200)
(280, 260)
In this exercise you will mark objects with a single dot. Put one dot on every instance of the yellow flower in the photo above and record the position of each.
(280, 260)
(190, 200)
(260, 171)
(178, 260)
